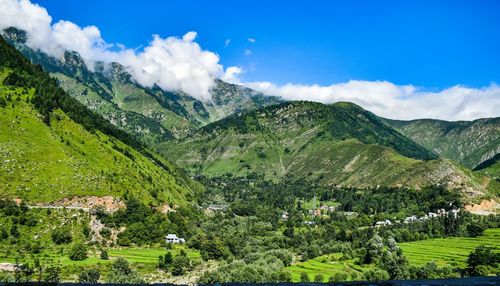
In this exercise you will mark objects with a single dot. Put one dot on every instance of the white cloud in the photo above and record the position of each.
(227, 42)
(180, 63)
(247, 52)
(232, 74)
(395, 101)
(173, 63)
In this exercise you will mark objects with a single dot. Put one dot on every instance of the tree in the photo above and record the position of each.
(78, 252)
(340, 276)
(318, 278)
(179, 265)
(89, 276)
(53, 273)
(284, 276)
(22, 272)
(304, 277)
(122, 273)
(104, 255)
(482, 255)
(165, 261)
(376, 275)
(61, 235)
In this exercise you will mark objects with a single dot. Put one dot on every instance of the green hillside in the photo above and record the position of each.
(52, 147)
(151, 114)
(339, 144)
(469, 143)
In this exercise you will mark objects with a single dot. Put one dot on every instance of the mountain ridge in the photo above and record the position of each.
(53, 147)
(339, 144)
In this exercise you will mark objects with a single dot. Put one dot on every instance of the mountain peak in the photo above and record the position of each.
(13, 34)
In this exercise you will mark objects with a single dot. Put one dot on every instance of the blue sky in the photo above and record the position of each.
(431, 44)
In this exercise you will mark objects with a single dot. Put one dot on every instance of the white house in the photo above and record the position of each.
(172, 238)
(383, 223)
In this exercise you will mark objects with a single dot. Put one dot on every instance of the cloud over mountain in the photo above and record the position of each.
(179, 63)
(172, 63)
(395, 101)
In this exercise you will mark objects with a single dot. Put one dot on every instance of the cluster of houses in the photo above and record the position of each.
(322, 210)
(414, 218)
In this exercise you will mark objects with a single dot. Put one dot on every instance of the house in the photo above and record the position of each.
(285, 215)
(383, 223)
(214, 207)
(411, 219)
(172, 238)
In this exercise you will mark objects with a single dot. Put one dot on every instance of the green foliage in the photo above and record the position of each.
(318, 278)
(104, 255)
(122, 273)
(304, 277)
(180, 264)
(78, 251)
(165, 261)
(376, 275)
(61, 235)
(89, 276)
(485, 257)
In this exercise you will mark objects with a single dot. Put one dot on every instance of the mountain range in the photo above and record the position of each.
(239, 132)
(339, 145)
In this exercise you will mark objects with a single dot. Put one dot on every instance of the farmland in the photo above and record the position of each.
(326, 265)
(451, 251)
(448, 251)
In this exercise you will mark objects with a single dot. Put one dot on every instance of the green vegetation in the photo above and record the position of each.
(52, 147)
(469, 143)
(293, 192)
(451, 251)
(339, 145)
(150, 114)
(330, 265)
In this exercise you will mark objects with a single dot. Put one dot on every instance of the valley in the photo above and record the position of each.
(105, 180)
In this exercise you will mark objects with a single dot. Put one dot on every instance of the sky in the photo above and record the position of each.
(399, 59)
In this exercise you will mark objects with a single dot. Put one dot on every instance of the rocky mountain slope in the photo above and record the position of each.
(151, 114)
(53, 147)
(340, 144)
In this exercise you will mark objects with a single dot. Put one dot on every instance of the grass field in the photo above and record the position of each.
(138, 255)
(448, 251)
(326, 265)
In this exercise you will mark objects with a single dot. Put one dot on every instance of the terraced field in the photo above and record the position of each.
(448, 251)
(326, 265)
(444, 251)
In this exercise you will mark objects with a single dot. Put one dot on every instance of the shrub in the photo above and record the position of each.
(89, 276)
(304, 277)
(104, 255)
(179, 265)
(61, 235)
(318, 278)
(78, 252)
(122, 273)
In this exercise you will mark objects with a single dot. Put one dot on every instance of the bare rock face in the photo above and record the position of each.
(109, 203)
(485, 207)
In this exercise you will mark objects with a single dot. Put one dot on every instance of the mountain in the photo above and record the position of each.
(53, 147)
(151, 114)
(340, 144)
(474, 144)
